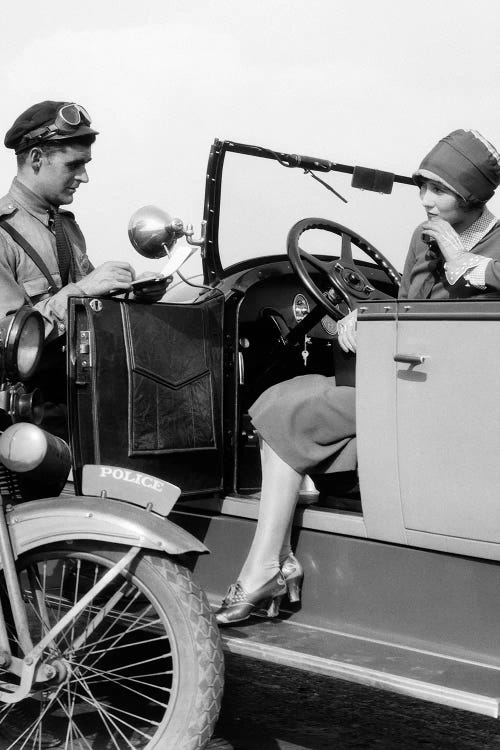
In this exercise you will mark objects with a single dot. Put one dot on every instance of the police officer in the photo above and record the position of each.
(43, 258)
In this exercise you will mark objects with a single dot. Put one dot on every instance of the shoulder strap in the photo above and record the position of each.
(30, 251)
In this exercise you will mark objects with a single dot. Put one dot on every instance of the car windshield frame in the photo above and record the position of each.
(366, 179)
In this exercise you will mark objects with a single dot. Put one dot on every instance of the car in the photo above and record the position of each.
(402, 556)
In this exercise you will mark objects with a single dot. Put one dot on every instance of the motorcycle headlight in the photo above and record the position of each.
(21, 343)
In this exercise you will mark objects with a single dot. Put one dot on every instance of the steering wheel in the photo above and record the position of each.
(343, 274)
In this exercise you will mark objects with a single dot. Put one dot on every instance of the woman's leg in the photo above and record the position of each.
(286, 547)
(280, 490)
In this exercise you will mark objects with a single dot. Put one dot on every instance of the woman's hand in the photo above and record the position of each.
(346, 329)
(445, 236)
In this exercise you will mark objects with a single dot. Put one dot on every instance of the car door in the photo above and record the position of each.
(448, 420)
(145, 388)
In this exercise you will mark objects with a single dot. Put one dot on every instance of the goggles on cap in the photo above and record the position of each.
(69, 117)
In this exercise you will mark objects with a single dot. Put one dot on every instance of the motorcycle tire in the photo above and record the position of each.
(142, 663)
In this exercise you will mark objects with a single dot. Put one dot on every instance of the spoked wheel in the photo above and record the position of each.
(140, 667)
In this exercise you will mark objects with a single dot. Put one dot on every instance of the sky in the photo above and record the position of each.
(371, 82)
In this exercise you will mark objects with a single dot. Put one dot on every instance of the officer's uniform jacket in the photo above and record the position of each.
(21, 281)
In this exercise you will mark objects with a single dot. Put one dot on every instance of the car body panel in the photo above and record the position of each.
(438, 422)
(448, 425)
(375, 420)
(417, 618)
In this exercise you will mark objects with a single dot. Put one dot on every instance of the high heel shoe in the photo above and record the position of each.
(239, 604)
(293, 573)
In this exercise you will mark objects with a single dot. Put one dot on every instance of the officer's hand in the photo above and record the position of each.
(112, 275)
(150, 287)
(346, 328)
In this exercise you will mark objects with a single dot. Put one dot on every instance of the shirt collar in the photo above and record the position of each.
(479, 229)
(33, 203)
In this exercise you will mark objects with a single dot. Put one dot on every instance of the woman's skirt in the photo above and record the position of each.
(308, 421)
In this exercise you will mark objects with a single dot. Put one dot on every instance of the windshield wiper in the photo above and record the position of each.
(325, 184)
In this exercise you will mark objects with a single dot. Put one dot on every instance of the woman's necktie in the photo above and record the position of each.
(435, 272)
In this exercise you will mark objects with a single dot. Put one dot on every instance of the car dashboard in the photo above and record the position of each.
(274, 303)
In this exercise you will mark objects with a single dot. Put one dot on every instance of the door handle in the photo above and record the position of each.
(410, 359)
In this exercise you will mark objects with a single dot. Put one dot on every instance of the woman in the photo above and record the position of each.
(305, 422)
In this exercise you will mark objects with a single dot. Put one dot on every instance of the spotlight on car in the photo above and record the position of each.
(153, 232)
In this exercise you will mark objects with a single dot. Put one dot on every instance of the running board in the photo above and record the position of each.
(459, 683)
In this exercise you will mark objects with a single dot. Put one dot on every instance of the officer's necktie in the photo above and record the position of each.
(63, 247)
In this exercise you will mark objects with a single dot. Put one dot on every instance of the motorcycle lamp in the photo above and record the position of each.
(21, 346)
(33, 463)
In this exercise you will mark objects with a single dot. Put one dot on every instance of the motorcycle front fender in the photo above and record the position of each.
(58, 519)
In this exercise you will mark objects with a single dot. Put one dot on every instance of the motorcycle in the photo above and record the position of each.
(106, 641)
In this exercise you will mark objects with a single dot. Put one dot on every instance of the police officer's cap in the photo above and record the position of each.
(48, 121)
